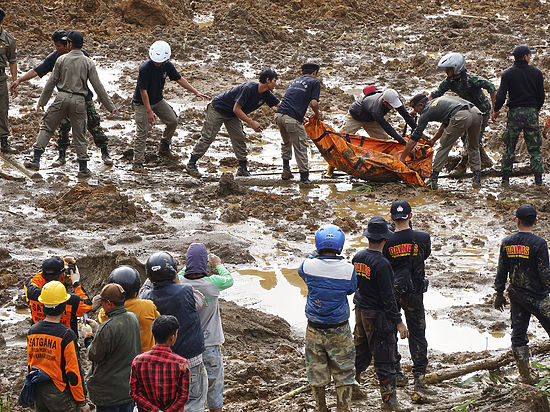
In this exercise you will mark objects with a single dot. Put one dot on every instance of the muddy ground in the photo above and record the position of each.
(120, 218)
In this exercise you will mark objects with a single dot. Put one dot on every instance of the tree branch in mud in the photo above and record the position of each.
(290, 394)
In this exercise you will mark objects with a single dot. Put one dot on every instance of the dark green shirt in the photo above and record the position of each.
(469, 87)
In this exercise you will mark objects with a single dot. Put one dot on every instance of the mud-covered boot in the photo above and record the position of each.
(287, 174)
(505, 182)
(400, 379)
(165, 150)
(191, 166)
(486, 161)
(34, 164)
(421, 387)
(319, 396)
(105, 156)
(343, 398)
(5, 146)
(61, 159)
(461, 167)
(330, 171)
(432, 184)
(304, 179)
(521, 355)
(83, 170)
(243, 169)
(538, 179)
(476, 181)
(389, 398)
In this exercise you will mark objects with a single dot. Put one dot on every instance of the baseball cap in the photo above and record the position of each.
(400, 210)
(419, 98)
(377, 229)
(52, 267)
(113, 292)
(522, 50)
(392, 98)
(526, 213)
(75, 37)
(310, 67)
(369, 89)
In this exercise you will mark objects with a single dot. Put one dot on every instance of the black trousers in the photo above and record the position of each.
(522, 306)
(413, 307)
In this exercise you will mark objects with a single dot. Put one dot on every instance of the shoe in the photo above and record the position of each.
(476, 181)
(330, 172)
(83, 170)
(486, 161)
(521, 356)
(5, 146)
(505, 182)
(34, 164)
(165, 151)
(304, 179)
(61, 160)
(421, 387)
(192, 168)
(401, 380)
(243, 170)
(138, 168)
(538, 179)
(389, 398)
(287, 175)
(105, 156)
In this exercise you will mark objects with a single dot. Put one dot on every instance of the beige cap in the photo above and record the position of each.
(113, 292)
(392, 98)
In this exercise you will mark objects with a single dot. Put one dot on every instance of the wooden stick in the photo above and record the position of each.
(290, 394)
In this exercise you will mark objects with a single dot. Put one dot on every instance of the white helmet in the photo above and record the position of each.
(453, 61)
(160, 51)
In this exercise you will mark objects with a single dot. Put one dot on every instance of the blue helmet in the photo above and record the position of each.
(330, 237)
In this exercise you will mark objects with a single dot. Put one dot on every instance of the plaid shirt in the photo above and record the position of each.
(160, 380)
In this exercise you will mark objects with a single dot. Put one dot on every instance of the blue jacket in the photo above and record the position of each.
(329, 280)
(178, 300)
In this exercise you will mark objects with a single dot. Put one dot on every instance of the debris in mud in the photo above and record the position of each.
(228, 186)
(518, 398)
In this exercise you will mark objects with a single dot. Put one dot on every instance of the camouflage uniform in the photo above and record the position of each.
(526, 119)
(93, 125)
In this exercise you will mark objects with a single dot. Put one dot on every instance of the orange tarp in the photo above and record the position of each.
(369, 158)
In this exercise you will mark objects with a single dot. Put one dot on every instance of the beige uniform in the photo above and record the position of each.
(70, 74)
(8, 54)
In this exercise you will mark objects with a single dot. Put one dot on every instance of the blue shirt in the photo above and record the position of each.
(47, 67)
(300, 93)
(152, 79)
(246, 95)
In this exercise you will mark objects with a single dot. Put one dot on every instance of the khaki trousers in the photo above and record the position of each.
(166, 115)
(373, 129)
(211, 127)
(294, 136)
(65, 105)
(468, 121)
(4, 105)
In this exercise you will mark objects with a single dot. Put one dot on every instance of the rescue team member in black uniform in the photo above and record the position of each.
(406, 250)
(53, 348)
(524, 256)
(376, 313)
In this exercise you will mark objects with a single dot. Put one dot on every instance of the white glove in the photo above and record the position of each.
(75, 275)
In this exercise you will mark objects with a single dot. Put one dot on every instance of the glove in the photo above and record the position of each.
(500, 301)
(215, 260)
(75, 275)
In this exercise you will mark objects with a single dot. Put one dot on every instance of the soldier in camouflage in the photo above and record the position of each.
(8, 57)
(524, 85)
(469, 87)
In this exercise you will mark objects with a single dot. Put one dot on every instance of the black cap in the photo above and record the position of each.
(400, 210)
(521, 50)
(526, 213)
(308, 68)
(76, 38)
(59, 35)
(52, 267)
(419, 98)
(2, 15)
(377, 229)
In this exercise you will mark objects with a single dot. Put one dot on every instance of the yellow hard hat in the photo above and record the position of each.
(53, 293)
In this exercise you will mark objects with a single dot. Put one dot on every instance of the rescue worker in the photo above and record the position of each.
(302, 92)
(195, 275)
(232, 109)
(70, 74)
(53, 348)
(524, 85)
(524, 259)
(406, 250)
(329, 343)
(55, 268)
(93, 119)
(8, 57)
(148, 101)
(112, 350)
(145, 310)
(377, 316)
(456, 116)
(179, 300)
(468, 87)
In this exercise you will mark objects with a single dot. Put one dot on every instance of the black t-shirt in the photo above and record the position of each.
(152, 79)
(246, 95)
(299, 94)
(524, 257)
(407, 261)
(375, 284)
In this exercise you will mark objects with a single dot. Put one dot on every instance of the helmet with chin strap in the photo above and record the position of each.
(330, 237)
(453, 61)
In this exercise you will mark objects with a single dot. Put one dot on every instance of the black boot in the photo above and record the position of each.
(476, 182)
(400, 379)
(304, 179)
(5, 146)
(191, 167)
(61, 160)
(432, 184)
(164, 150)
(83, 170)
(505, 179)
(521, 356)
(34, 164)
(287, 174)
(243, 170)
(538, 179)
(105, 156)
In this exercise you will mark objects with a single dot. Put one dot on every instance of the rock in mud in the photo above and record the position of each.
(145, 12)
(228, 186)
(4, 254)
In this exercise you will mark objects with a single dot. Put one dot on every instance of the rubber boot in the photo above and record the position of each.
(400, 379)
(343, 398)
(192, 168)
(420, 386)
(476, 181)
(61, 160)
(521, 355)
(34, 164)
(319, 396)
(105, 156)
(461, 167)
(505, 182)
(83, 170)
(243, 170)
(389, 398)
(287, 174)
(5, 146)
(538, 179)
(486, 161)
(164, 150)
(432, 184)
